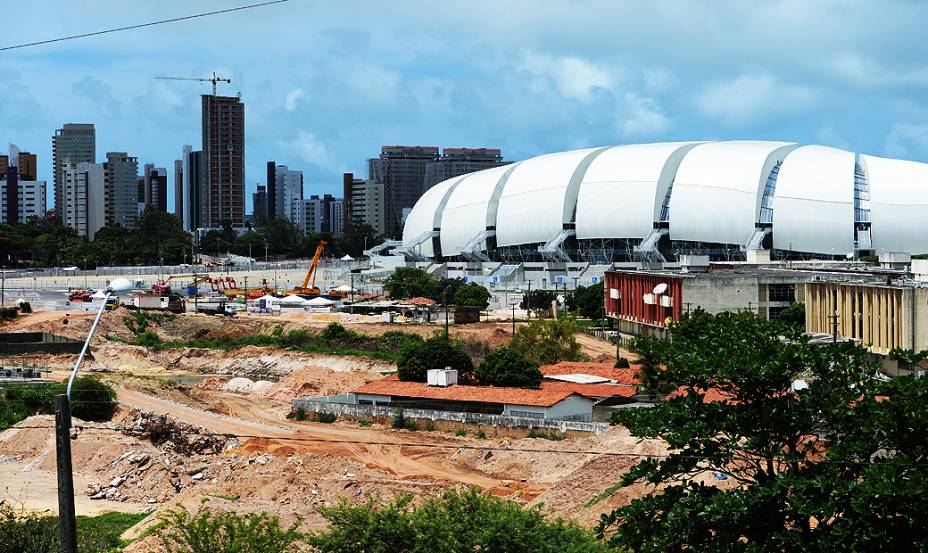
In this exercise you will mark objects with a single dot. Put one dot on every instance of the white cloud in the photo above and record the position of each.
(752, 98)
(907, 141)
(867, 72)
(312, 150)
(644, 118)
(293, 98)
(574, 77)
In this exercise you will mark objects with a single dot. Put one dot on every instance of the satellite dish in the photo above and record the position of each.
(849, 256)
(660, 288)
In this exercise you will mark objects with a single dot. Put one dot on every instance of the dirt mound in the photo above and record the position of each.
(317, 381)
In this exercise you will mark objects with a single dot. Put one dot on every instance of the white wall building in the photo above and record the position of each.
(32, 196)
(84, 198)
(289, 187)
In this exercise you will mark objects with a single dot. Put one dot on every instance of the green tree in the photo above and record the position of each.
(589, 301)
(794, 316)
(409, 282)
(472, 295)
(767, 439)
(224, 532)
(438, 352)
(649, 353)
(456, 522)
(92, 399)
(548, 341)
(538, 300)
(505, 366)
(356, 236)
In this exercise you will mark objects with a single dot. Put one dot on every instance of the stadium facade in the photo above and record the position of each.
(655, 202)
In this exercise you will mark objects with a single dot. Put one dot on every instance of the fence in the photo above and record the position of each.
(453, 416)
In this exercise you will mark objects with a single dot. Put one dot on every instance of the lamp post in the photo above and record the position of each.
(444, 301)
(67, 525)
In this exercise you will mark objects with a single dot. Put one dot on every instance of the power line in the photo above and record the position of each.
(306, 439)
(139, 26)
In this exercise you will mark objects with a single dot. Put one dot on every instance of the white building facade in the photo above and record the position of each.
(84, 195)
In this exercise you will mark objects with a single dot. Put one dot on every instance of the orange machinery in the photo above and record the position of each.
(307, 287)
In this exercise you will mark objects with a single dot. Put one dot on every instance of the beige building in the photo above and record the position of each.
(881, 316)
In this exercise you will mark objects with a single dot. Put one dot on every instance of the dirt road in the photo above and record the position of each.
(417, 457)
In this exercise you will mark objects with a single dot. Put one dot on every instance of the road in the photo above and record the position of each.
(417, 460)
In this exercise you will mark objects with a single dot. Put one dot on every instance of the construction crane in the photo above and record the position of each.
(311, 274)
(215, 79)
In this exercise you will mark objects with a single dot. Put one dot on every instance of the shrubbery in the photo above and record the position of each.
(26, 532)
(507, 367)
(224, 532)
(548, 341)
(438, 352)
(91, 400)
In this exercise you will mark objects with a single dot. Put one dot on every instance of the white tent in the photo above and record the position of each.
(347, 258)
(320, 302)
(268, 300)
(98, 295)
(292, 299)
(342, 288)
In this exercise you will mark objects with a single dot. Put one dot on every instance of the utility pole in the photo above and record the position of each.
(528, 301)
(67, 521)
(513, 319)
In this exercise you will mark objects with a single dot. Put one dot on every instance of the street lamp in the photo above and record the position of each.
(444, 301)
(66, 515)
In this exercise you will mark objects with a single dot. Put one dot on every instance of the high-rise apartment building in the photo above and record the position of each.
(259, 202)
(83, 195)
(179, 190)
(223, 126)
(364, 202)
(336, 216)
(460, 161)
(120, 174)
(154, 190)
(401, 169)
(21, 196)
(288, 186)
(73, 143)
(192, 188)
(272, 190)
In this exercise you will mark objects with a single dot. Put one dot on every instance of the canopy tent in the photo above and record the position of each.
(342, 288)
(347, 258)
(320, 302)
(292, 299)
(267, 300)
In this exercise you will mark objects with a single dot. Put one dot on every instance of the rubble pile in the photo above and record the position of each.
(174, 436)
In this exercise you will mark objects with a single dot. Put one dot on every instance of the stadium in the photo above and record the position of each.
(656, 202)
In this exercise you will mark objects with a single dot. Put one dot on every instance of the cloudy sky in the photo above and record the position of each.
(325, 84)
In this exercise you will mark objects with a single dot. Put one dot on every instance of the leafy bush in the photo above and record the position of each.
(297, 414)
(92, 400)
(589, 301)
(548, 341)
(394, 341)
(149, 340)
(7, 313)
(472, 295)
(327, 418)
(223, 532)
(438, 352)
(507, 367)
(553, 435)
(409, 282)
(621, 363)
(27, 532)
(335, 332)
(456, 522)
(25, 307)
(296, 338)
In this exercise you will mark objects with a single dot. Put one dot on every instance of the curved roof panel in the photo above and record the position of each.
(471, 208)
(813, 208)
(898, 204)
(718, 189)
(539, 197)
(426, 215)
(623, 190)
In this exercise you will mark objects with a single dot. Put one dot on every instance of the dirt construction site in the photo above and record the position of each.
(199, 425)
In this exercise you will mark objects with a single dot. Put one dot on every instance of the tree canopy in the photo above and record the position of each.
(505, 366)
(834, 464)
(547, 341)
(438, 352)
(588, 300)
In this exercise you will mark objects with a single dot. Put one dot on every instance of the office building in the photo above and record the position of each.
(318, 214)
(302, 213)
(364, 202)
(223, 127)
(336, 216)
(288, 187)
(83, 194)
(401, 169)
(259, 203)
(121, 185)
(179, 190)
(73, 143)
(192, 189)
(21, 196)
(455, 162)
(272, 190)
(154, 190)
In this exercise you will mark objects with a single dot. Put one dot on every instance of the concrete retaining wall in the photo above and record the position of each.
(365, 411)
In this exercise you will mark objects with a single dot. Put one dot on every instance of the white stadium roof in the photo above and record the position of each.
(716, 194)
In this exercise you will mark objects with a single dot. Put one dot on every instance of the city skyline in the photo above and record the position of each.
(326, 87)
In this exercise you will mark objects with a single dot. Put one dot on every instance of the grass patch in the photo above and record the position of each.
(603, 495)
(102, 532)
(553, 435)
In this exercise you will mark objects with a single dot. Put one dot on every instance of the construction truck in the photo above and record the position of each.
(162, 288)
(309, 288)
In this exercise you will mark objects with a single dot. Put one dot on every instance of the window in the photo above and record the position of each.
(781, 292)
(526, 414)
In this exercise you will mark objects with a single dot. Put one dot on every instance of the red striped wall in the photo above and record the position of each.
(630, 305)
